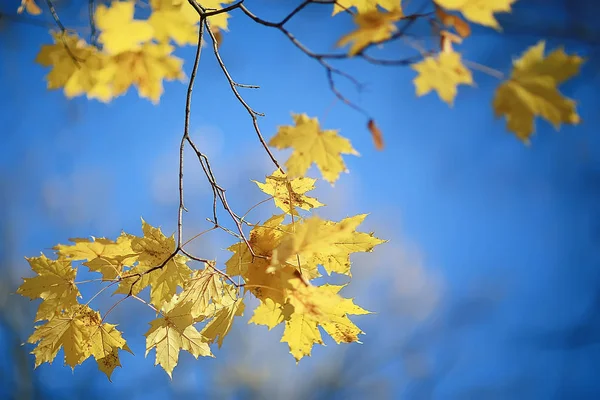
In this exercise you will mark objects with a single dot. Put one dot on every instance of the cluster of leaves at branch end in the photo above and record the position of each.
(129, 52)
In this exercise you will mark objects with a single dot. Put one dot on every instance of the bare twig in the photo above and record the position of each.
(253, 114)
(91, 12)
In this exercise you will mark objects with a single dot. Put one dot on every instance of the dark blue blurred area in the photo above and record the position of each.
(489, 287)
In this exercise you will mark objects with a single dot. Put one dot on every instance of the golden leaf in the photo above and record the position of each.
(373, 27)
(532, 91)
(442, 74)
(119, 31)
(220, 325)
(289, 193)
(153, 249)
(54, 284)
(478, 11)
(101, 255)
(174, 332)
(30, 6)
(81, 334)
(312, 145)
(460, 25)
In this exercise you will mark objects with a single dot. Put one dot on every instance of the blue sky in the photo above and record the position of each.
(485, 288)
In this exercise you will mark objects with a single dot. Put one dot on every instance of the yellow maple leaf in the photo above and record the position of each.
(363, 6)
(54, 284)
(442, 74)
(260, 278)
(30, 6)
(301, 333)
(219, 326)
(205, 287)
(170, 22)
(479, 11)
(81, 334)
(171, 333)
(263, 239)
(314, 306)
(336, 257)
(373, 27)
(93, 77)
(289, 193)
(312, 145)
(65, 57)
(270, 313)
(532, 91)
(146, 68)
(105, 342)
(77, 67)
(308, 238)
(101, 255)
(153, 249)
(119, 32)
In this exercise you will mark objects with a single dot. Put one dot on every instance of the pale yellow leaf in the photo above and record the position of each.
(442, 74)
(532, 90)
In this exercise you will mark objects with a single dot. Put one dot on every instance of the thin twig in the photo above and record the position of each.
(253, 114)
(207, 262)
(91, 12)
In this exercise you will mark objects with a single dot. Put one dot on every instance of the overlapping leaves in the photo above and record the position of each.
(130, 51)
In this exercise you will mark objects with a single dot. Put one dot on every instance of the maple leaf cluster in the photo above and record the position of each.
(277, 265)
(530, 91)
(196, 302)
(135, 52)
(129, 52)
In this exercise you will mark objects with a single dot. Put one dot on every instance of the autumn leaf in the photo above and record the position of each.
(202, 289)
(54, 283)
(263, 240)
(316, 306)
(101, 255)
(442, 74)
(363, 6)
(154, 249)
(289, 193)
(259, 278)
(77, 68)
(373, 27)
(532, 90)
(30, 6)
(119, 31)
(270, 313)
(173, 21)
(106, 341)
(336, 257)
(376, 134)
(80, 332)
(63, 56)
(478, 11)
(310, 237)
(312, 145)
(146, 68)
(219, 326)
(459, 24)
(172, 332)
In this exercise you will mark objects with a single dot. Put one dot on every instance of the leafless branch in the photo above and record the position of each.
(234, 85)
(91, 11)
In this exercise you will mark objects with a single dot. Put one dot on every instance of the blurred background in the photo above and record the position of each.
(489, 286)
